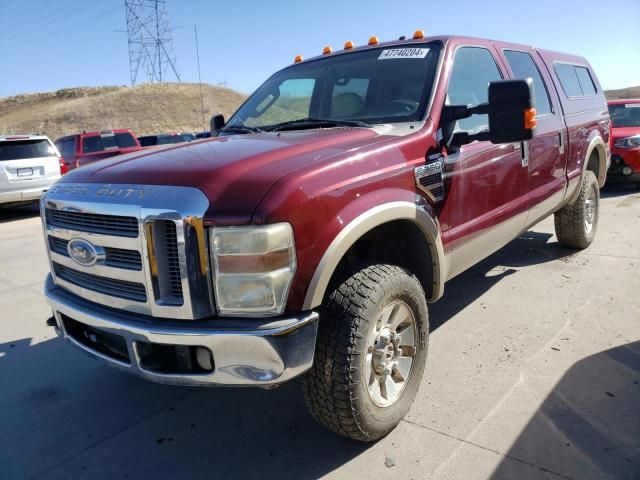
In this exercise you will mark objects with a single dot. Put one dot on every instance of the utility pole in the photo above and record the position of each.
(195, 30)
(149, 39)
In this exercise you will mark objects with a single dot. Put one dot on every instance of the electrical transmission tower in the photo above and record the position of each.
(150, 42)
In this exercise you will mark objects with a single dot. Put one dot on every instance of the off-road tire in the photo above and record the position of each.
(570, 220)
(335, 387)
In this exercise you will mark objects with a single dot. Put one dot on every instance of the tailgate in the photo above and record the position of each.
(36, 171)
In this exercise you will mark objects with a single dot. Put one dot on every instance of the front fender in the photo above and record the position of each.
(362, 216)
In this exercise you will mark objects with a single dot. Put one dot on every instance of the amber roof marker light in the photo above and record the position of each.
(419, 34)
(327, 50)
(298, 59)
(373, 40)
(348, 45)
(530, 121)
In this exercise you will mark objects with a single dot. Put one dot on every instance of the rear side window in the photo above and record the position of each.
(586, 82)
(108, 141)
(148, 141)
(66, 147)
(125, 140)
(473, 69)
(524, 67)
(576, 81)
(21, 149)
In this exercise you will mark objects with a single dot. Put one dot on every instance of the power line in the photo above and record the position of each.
(50, 20)
(62, 29)
(149, 39)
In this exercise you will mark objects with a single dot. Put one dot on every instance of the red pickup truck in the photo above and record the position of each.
(88, 147)
(625, 141)
(310, 235)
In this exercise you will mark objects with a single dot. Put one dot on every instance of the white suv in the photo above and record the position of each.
(29, 166)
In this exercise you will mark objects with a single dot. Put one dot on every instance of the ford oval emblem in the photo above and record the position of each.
(82, 252)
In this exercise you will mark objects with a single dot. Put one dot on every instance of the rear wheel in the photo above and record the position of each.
(371, 352)
(576, 224)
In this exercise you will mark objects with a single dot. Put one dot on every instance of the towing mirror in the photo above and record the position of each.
(512, 116)
(511, 112)
(216, 123)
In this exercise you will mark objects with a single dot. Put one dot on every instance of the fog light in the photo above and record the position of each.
(627, 170)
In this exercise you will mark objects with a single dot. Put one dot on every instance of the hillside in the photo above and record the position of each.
(145, 108)
(631, 92)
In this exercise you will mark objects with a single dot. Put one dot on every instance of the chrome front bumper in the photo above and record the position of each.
(246, 352)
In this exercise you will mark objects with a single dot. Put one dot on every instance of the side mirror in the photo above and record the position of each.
(511, 112)
(512, 116)
(216, 123)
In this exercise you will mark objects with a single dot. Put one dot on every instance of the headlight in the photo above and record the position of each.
(253, 268)
(628, 142)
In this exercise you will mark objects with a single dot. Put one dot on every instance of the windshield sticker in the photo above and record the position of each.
(403, 53)
(632, 105)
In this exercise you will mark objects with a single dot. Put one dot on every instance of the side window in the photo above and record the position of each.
(348, 97)
(473, 69)
(524, 67)
(291, 102)
(568, 79)
(586, 82)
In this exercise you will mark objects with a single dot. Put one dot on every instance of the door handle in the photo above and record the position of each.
(524, 152)
(561, 144)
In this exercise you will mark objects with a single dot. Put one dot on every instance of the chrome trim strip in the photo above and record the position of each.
(115, 273)
(245, 351)
(367, 221)
(184, 206)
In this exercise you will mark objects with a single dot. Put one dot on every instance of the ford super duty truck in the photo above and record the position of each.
(309, 235)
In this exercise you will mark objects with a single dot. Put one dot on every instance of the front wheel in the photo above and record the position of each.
(371, 352)
(576, 224)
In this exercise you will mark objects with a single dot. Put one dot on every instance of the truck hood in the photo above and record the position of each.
(234, 172)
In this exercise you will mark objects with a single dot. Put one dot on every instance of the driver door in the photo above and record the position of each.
(487, 184)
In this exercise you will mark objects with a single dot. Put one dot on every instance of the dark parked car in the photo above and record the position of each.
(166, 138)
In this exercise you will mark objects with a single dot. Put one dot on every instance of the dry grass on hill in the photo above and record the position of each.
(631, 92)
(146, 108)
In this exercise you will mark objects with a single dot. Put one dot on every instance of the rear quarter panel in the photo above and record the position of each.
(586, 117)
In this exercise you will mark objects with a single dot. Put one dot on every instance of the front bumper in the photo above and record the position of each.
(246, 352)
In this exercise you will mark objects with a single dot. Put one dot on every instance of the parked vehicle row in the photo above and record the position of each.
(308, 235)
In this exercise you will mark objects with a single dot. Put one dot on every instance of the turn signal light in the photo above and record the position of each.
(327, 50)
(298, 59)
(373, 40)
(348, 45)
(530, 121)
(418, 34)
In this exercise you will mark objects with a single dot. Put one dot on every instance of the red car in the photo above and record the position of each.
(308, 237)
(625, 141)
(88, 147)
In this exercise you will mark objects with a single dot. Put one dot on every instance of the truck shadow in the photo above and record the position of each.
(66, 416)
(581, 431)
(530, 248)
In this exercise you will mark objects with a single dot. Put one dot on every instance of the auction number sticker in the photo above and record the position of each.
(403, 53)
(632, 105)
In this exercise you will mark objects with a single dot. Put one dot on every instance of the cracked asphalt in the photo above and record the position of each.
(533, 372)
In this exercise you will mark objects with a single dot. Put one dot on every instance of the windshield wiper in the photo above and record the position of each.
(303, 123)
(241, 129)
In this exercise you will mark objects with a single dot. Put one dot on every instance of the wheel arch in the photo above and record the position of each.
(368, 221)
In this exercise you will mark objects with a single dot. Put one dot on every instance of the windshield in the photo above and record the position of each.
(20, 149)
(625, 115)
(376, 85)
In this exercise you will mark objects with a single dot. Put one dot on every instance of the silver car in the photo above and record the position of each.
(29, 166)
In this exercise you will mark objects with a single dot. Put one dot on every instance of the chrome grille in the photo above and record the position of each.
(149, 247)
(94, 223)
(115, 257)
(110, 286)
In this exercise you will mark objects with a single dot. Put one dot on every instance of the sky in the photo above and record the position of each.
(46, 45)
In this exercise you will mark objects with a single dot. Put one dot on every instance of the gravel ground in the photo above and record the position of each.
(533, 372)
